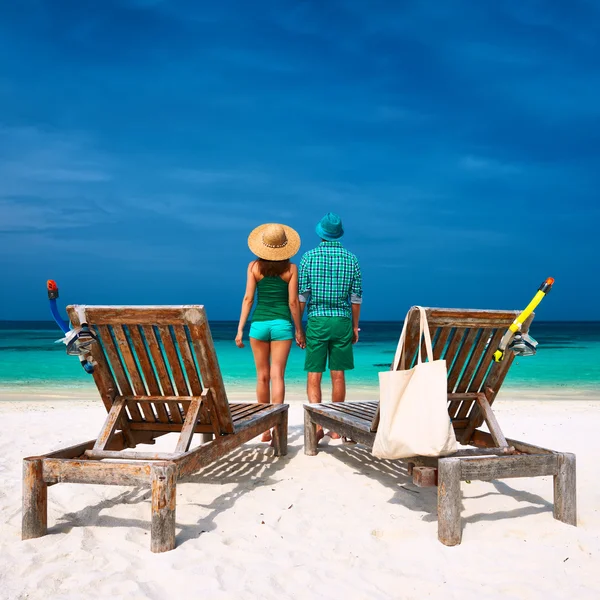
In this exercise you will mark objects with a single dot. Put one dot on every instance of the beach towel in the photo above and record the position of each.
(413, 404)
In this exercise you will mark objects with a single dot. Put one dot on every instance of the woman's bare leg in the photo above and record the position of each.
(262, 360)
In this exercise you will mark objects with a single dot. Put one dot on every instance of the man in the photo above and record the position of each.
(330, 282)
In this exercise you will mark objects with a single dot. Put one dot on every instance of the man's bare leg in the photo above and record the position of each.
(338, 394)
(313, 391)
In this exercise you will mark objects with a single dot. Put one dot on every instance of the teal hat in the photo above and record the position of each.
(330, 227)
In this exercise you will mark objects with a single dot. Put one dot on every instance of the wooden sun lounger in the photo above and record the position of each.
(466, 339)
(157, 372)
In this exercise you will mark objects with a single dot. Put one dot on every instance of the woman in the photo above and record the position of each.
(277, 312)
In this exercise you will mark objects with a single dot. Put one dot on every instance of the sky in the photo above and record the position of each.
(142, 140)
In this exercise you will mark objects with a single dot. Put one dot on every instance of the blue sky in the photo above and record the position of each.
(141, 141)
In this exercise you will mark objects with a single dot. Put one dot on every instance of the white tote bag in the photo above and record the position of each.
(414, 418)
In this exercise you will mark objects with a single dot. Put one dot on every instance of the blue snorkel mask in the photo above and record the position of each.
(79, 341)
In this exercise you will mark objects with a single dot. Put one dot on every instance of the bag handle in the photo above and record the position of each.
(399, 357)
(424, 330)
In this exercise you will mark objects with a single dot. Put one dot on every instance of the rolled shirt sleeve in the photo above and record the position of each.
(356, 289)
(303, 281)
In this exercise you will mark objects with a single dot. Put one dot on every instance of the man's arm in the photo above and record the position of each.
(303, 284)
(356, 300)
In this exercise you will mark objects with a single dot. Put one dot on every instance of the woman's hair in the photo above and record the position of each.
(273, 268)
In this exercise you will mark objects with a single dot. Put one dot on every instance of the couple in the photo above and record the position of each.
(329, 281)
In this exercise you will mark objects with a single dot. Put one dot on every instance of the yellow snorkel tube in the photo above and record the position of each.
(520, 343)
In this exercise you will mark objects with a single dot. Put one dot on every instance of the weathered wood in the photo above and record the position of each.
(187, 430)
(456, 371)
(310, 435)
(211, 373)
(488, 356)
(453, 348)
(173, 359)
(332, 414)
(103, 378)
(131, 455)
(424, 476)
(168, 427)
(344, 427)
(248, 428)
(491, 421)
(449, 501)
(524, 465)
(565, 490)
(463, 317)
(133, 315)
(164, 490)
(162, 372)
(35, 500)
(484, 439)
(57, 470)
(112, 419)
(280, 435)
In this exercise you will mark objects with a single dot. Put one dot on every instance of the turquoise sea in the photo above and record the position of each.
(568, 357)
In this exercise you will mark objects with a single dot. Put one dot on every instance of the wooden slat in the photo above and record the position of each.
(147, 370)
(249, 428)
(474, 359)
(455, 372)
(129, 455)
(193, 376)
(453, 348)
(103, 378)
(169, 427)
(463, 354)
(353, 411)
(187, 431)
(163, 375)
(475, 385)
(137, 385)
(484, 439)
(523, 465)
(134, 315)
(211, 373)
(112, 420)
(491, 421)
(440, 342)
(59, 470)
(173, 359)
(447, 317)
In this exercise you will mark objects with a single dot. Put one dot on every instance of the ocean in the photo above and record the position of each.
(568, 357)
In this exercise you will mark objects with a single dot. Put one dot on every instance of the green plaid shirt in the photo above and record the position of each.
(329, 281)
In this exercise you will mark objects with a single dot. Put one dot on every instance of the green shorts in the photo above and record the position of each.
(328, 337)
(276, 330)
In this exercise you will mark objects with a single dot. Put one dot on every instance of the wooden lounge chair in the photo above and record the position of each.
(466, 339)
(157, 372)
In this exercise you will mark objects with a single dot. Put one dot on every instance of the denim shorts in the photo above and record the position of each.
(277, 330)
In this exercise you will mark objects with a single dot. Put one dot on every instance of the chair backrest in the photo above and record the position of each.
(159, 358)
(466, 339)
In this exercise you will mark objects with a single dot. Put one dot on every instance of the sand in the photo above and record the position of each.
(338, 525)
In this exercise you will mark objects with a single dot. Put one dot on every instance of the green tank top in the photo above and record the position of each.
(272, 301)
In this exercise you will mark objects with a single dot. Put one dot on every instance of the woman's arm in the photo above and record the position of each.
(295, 306)
(247, 303)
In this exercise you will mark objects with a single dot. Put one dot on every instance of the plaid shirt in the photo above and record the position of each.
(330, 281)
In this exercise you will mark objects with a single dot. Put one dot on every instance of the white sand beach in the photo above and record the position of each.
(338, 525)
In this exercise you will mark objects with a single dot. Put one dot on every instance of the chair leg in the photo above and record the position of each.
(565, 490)
(164, 486)
(449, 501)
(310, 435)
(35, 500)
(280, 435)
(206, 437)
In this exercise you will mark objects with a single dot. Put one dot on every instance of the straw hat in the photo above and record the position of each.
(273, 241)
